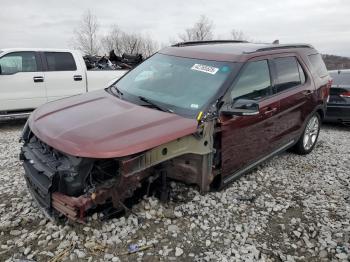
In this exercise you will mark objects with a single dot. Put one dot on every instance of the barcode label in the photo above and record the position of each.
(205, 68)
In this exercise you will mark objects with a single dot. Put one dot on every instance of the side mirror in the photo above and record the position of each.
(241, 107)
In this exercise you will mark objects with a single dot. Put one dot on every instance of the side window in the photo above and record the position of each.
(289, 73)
(18, 62)
(254, 83)
(318, 64)
(60, 61)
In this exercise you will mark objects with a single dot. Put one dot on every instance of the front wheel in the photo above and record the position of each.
(307, 141)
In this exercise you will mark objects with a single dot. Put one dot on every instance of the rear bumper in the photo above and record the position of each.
(338, 113)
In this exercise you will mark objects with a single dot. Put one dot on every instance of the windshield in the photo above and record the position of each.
(181, 84)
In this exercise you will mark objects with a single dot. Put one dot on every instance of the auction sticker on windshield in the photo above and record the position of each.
(205, 68)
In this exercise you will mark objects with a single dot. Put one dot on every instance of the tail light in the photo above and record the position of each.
(326, 91)
(345, 94)
(330, 82)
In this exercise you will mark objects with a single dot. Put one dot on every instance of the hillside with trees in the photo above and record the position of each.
(336, 62)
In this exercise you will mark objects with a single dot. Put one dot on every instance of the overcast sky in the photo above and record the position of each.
(45, 23)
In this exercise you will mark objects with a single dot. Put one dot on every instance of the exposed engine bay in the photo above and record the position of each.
(71, 186)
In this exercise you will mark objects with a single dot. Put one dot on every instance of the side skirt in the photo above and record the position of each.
(242, 171)
(14, 115)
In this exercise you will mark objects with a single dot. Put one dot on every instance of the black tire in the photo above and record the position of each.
(303, 148)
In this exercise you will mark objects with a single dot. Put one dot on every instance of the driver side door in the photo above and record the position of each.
(245, 139)
(22, 85)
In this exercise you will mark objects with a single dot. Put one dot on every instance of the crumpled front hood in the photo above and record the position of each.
(99, 125)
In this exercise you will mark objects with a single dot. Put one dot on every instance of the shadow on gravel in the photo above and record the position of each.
(12, 123)
(338, 126)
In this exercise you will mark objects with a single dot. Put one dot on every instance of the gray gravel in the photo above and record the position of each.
(292, 208)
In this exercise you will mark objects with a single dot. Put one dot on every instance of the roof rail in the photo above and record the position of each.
(207, 42)
(286, 46)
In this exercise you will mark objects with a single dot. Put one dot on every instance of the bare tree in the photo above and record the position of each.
(149, 46)
(238, 35)
(86, 34)
(201, 30)
(138, 44)
(111, 41)
(130, 43)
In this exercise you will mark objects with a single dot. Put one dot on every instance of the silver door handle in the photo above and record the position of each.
(77, 78)
(270, 110)
(38, 79)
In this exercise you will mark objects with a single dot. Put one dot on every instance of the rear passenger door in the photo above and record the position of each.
(63, 77)
(294, 89)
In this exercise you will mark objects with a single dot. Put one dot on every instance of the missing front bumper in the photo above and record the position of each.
(72, 186)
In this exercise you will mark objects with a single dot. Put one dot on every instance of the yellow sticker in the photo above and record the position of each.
(199, 115)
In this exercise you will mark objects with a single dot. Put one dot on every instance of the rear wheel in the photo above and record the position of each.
(307, 141)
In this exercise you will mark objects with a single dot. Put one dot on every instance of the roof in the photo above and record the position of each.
(18, 49)
(229, 51)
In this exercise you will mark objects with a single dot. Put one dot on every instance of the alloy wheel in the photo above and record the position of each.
(311, 132)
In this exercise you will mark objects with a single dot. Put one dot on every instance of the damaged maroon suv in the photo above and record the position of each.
(202, 113)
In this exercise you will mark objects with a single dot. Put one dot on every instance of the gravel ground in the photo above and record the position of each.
(292, 208)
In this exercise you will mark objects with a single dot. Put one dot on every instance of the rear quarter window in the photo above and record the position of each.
(318, 65)
(60, 61)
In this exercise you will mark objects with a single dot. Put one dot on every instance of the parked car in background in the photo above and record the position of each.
(338, 107)
(32, 77)
(203, 113)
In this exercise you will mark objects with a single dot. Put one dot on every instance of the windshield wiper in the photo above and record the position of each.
(155, 104)
(119, 93)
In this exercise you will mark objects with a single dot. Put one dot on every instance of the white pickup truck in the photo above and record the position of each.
(32, 77)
